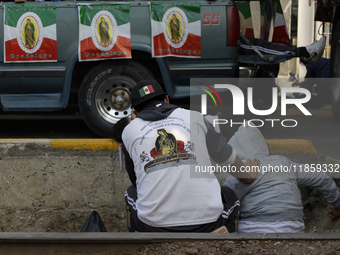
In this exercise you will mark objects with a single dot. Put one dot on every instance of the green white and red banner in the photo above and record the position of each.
(104, 31)
(30, 34)
(176, 29)
(280, 33)
(245, 18)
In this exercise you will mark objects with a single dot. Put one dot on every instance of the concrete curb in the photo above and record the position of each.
(276, 146)
(67, 144)
(290, 146)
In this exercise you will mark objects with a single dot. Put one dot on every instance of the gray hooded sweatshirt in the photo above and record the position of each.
(274, 196)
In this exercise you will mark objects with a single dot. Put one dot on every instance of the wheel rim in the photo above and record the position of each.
(113, 100)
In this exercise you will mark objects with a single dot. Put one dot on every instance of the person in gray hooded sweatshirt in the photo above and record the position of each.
(272, 203)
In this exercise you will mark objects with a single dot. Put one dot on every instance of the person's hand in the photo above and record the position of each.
(254, 166)
(252, 162)
(246, 172)
(335, 212)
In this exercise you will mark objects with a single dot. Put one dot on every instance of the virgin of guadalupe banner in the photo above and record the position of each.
(104, 31)
(176, 29)
(30, 34)
(280, 33)
(245, 18)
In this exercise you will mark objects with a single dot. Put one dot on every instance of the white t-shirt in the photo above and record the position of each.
(165, 153)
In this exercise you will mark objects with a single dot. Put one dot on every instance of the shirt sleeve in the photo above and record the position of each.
(322, 182)
(218, 148)
(241, 189)
(130, 167)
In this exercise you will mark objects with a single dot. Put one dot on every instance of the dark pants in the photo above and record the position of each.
(266, 47)
(228, 218)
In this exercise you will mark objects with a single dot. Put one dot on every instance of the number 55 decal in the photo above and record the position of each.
(211, 19)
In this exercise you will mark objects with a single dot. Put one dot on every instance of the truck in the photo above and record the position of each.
(102, 81)
(103, 87)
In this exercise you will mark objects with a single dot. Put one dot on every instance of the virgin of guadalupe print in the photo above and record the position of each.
(30, 34)
(104, 31)
(176, 29)
(168, 152)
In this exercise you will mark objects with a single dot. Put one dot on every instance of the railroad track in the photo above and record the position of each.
(38, 243)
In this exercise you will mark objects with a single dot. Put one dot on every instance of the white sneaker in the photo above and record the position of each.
(315, 50)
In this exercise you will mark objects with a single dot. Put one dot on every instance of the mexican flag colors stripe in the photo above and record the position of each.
(176, 29)
(104, 31)
(30, 34)
(146, 90)
(245, 18)
(280, 34)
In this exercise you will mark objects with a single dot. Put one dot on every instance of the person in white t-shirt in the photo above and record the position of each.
(164, 145)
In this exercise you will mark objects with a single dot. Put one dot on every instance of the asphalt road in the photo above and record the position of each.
(320, 128)
(44, 126)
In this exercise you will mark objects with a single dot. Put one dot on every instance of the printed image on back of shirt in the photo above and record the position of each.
(168, 152)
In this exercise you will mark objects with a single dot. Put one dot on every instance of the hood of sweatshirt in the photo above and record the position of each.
(156, 110)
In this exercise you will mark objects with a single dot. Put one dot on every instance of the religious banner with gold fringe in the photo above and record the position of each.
(176, 29)
(245, 18)
(280, 32)
(30, 34)
(104, 31)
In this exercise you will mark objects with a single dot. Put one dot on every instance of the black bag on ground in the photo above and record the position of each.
(93, 224)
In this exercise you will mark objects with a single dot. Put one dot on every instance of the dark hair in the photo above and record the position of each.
(141, 106)
(118, 128)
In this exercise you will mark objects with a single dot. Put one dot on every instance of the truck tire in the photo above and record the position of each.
(335, 72)
(104, 95)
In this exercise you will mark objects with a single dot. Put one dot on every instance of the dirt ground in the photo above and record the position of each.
(315, 206)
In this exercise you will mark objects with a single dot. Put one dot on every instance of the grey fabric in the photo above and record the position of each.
(274, 196)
